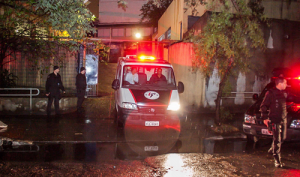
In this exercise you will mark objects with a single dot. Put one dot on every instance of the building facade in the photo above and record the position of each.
(282, 38)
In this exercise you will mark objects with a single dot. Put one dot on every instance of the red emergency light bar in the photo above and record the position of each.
(144, 57)
(288, 78)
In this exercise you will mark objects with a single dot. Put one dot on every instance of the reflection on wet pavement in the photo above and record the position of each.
(78, 137)
(109, 151)
(175, 164)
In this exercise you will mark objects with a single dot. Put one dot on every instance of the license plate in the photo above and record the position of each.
(151, 148)
(152, 123)
(266, 132)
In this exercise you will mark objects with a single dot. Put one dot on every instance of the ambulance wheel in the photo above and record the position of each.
(116, 119)
(115, 115)
(120, 124)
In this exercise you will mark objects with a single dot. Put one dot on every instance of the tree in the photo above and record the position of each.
(38, 28)
(151, 11)
(228, 41)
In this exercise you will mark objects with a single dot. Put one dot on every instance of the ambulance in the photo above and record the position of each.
(146, 93)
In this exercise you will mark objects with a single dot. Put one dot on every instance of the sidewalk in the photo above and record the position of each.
(68, 127)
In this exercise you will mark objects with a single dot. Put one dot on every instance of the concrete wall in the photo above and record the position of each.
(181, 55)
(201, 92)
(172, 17)
(39, 105)
(178, 12)
(282, 9)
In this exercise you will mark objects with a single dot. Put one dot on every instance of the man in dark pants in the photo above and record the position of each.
(275, 100)
(53, 86)
(81, 87)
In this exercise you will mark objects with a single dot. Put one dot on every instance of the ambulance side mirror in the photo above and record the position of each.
(180, 87)
(116, 84)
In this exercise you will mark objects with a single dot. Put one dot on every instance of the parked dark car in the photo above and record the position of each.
(253, 125)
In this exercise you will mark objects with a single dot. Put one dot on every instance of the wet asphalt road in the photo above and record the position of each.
(81, 145)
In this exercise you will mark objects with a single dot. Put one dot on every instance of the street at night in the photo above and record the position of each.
(149, 88)
(86, 145)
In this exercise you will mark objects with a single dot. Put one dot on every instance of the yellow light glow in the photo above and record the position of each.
(142, 57)
(138, 35)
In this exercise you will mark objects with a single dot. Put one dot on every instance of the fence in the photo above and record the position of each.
(20, 89)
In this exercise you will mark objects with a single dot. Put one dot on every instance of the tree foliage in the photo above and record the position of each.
(151, 11)
(228, 41)
(39, 28)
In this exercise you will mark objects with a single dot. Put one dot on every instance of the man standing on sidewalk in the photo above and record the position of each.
(275, 101)
(81, 87)
(53, 86)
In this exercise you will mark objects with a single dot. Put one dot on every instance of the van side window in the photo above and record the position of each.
(119, 72)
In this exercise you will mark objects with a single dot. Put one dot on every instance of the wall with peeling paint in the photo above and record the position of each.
(200, 92)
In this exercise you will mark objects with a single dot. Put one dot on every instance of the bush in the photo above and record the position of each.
(7, 79)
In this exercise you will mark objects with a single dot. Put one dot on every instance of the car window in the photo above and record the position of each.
(148, 76)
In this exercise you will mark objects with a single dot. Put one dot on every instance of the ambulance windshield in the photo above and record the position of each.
(137, 76)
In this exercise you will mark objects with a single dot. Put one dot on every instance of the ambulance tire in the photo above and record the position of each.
(117, 120)
(115, 115)
(120, 124)
(251, 139)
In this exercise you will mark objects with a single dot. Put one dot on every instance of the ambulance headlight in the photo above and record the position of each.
(130, 106)
(249, 119)
(174, 106)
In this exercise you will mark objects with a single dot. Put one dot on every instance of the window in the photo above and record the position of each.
(168, 33)
(146, 31)
(180, 30)
(134, 31)
(104, 32)
(118, 32)
(145, 81)
(128, 32)
(162, 37)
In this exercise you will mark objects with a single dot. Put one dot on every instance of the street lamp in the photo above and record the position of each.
(138, 35)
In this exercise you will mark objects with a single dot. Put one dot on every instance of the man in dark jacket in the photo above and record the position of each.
(158, 77)
(53, 86)
(275, 101)
(81, 87)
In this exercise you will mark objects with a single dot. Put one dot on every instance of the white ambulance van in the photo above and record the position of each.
(146, 93)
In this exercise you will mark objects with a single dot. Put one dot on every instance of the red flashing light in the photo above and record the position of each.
(143, 57)
(297, 78)
(295, 107)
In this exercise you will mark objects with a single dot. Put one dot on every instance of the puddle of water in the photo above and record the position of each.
(87, 152)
